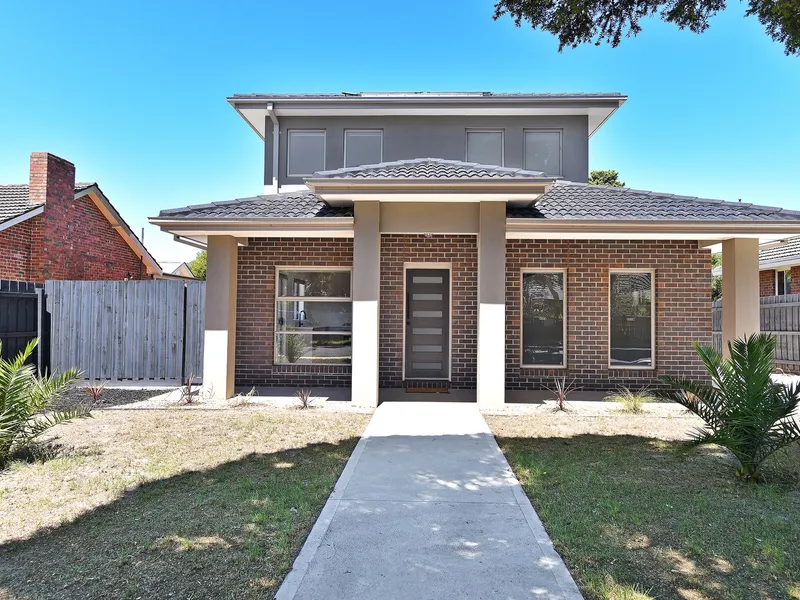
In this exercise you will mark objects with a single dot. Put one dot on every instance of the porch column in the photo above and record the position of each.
(492, 305)
(741, 305)
(219, 352)
(366, 292)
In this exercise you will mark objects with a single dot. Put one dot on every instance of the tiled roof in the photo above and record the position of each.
(286, 205)
(789, 250)
(442, 95)
(566, 200)
(15, 201)
(429, 168)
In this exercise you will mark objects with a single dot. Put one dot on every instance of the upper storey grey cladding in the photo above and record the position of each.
(542, 132)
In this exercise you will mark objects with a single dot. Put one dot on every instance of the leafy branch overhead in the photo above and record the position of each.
(577, 22)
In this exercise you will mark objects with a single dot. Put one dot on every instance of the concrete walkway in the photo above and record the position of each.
(427, 507)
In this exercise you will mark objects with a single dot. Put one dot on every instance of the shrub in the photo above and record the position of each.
(95, 390)
(26, 402)
(631, 401)
(561, 390)
(743, 409)
(304, 396)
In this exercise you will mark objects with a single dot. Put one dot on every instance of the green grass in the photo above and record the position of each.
(181, 504)
(636, 517)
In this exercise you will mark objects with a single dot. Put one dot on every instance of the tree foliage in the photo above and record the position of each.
(605, 177)
(199, 264)
(577, 22)
(26, 400)
(743, 409)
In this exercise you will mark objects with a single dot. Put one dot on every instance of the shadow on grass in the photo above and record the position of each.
(228, 532)
(634, 514)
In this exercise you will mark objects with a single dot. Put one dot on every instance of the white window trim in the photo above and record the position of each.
(431, 265)
(560, 133)
(279, 298)
(289, 149)
(346, 131)
(653, 311)
(522, 362)
(502, 133)
(789, 270)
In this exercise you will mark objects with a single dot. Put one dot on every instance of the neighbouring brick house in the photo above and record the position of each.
(55, 228)
(485, 272)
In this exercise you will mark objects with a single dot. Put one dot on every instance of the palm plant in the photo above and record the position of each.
(743, 409)
(26, 402)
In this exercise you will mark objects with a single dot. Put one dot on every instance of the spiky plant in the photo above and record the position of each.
(561, 390)
(632, 401)
(26, 402)
(743, 409)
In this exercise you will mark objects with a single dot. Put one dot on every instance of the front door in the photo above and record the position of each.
(427, 324)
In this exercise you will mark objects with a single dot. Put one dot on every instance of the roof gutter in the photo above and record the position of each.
(276, 130)
(523, 225)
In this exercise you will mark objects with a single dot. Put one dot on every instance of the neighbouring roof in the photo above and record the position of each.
(563, 201)
(428, 168)
(433, 95)
(788, 251)
(15, 200)
(285, 205)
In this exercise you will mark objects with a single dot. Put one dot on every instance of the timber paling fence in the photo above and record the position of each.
(780, 316)
(127, 330)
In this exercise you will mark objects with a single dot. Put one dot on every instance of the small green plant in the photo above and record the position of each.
(743, 409)
(304, 396)
(296, 346)
(631, 401)
(561, 390)
(26, 402)
(243, 399)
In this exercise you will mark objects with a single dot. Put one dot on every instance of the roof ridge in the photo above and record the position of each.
(410, 162)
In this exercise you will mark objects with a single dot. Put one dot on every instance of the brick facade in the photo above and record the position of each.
(255, 310)
(682, 308)
(766, 282)
(461, 251)
(71, 239)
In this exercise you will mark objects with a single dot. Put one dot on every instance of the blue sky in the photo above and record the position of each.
(134, 93)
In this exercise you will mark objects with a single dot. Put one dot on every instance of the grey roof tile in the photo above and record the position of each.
(15, 200)
(286, 205)
(788, 251)
(429, 168)
(566, 200)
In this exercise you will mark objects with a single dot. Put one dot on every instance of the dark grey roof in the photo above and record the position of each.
(285, 205)
(429, 168)
(788, 251)
(566, 200)
(442, 95)
(15, 201)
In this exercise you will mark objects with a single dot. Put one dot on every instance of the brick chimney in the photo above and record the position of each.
(52, 179)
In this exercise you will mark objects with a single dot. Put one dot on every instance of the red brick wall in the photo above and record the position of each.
(766, 282)
(255, 310)
(683, 308)
(462, 252)
(15, 250)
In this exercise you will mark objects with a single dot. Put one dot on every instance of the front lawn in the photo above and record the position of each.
(178, 503)
(638, 516)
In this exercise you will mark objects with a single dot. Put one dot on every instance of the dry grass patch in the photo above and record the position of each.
(178, 504)
(637, 515)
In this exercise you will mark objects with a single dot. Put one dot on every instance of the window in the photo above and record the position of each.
(543, 323)
(783, 282)
(306, 153)
(631, 324)
(485, 147)
(313, 317)
(363, 147)
(543, 151)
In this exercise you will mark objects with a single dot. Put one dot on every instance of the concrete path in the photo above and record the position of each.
(427, 507)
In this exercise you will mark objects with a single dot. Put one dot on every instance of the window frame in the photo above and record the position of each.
(346, 131)
(522, 362)
(279, 298)
(502, 133)
(289, 133)
(653, 314)
(784, 271)
(560, 133)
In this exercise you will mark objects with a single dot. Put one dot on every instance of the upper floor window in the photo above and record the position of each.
(485, 147)
(543, 151)
(783, 282)
(363, 147)
(306, 153)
